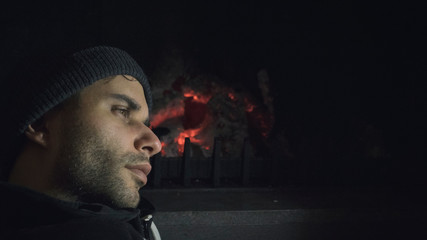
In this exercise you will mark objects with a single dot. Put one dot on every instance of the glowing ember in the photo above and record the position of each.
(174, 109)
(205, 112)
(197, 97)
(163, 152)
(192, 115)
(249, 106)
(197, 135)
(231, 96)
(192, 134)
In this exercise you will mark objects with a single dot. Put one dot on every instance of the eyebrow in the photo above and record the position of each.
(133, 105)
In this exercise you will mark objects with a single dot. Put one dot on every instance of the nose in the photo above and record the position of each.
(147, 141)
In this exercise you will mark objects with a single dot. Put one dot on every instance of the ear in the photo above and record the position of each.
(37, 133)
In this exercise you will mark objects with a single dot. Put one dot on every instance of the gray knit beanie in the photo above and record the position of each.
(58, 79)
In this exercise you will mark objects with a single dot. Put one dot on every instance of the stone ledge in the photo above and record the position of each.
(274, 217)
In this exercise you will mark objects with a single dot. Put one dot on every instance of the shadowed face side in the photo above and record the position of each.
(101, 148)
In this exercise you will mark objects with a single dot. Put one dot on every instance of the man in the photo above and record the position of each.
(80, 149)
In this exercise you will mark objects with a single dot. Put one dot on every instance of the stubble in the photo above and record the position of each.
(90, 169)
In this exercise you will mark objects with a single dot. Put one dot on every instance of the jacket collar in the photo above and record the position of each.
(19, 203)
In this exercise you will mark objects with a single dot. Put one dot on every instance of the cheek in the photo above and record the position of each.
(116, 135)
(113, 130)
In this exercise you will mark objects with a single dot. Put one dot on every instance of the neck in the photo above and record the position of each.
(33, 170)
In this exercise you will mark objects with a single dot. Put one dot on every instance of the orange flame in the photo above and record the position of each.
(163, 152)
(190, 133)
(171, 111)
(177, 109)
(195, 135)
(197, 97)
(249, 106)
(232, 96)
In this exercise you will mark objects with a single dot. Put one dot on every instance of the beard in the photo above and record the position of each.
(91, 169)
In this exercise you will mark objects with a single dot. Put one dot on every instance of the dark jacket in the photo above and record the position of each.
(26, 214)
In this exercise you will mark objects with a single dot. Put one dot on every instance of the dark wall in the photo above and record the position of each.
(347, 78)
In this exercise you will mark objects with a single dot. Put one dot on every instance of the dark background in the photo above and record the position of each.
(348, 78)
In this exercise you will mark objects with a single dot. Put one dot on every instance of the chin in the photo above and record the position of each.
(129, 200)
(132, 198)
(125, 196)
(134, 203)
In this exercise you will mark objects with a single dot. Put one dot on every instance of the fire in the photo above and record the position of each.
(249, 106)
(196, 135)
(232, 96)
(163, 152)
(197, 97)
(173, 110)
(192, 114)
(262, 120)
(192, 134)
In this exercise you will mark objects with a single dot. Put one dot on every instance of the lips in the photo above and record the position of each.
(141, 171)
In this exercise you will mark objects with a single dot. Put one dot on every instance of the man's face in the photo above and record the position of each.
(101, 148)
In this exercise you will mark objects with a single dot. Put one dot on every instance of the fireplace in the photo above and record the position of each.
(205, 124)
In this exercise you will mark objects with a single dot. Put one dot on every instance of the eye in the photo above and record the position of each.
(122, 111)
